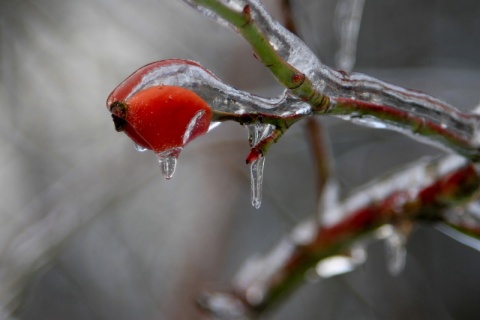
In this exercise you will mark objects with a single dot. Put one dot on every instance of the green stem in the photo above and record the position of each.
(291, 78)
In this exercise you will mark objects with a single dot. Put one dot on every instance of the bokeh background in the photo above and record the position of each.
(90, 230)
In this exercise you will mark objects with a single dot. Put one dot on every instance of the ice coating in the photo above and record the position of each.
(368, 101)
(257, 132)
(135, 81)
(218, 95)
(192, 125)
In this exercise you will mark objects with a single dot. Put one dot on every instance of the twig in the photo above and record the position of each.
(355, 97)
(327, 184)
(439, 185)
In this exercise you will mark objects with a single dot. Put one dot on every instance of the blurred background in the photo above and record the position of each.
(90, 230)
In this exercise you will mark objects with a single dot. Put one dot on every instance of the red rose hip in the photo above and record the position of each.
(163, 119)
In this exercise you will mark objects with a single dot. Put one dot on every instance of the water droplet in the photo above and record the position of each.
(139, 148)
(168, 161)
(256, 179)
(191, 126)
(348, 17)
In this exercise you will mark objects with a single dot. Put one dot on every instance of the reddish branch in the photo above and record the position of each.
(429, 130)
(448, 182)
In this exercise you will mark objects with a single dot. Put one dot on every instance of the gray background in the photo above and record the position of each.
(90, 230)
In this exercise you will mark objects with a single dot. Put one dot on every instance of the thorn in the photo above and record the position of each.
(247, 13)
(246, 10)
(297, 80)
(254, 154)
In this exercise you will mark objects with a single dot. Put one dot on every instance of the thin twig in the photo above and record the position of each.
(327, 185)
(265, 281)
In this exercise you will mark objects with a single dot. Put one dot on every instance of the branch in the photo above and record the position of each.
(354, 97)
(262, 283)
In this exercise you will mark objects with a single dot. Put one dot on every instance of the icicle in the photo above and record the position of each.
(256, 133)
(396, 253)
(348, 17)
(168, 161)
(139, 148)
(256, 179)
(395, 242)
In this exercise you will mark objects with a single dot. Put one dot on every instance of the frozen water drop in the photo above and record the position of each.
(139, 148)
(168, 161)
(396, 252)
(256, 176)
(348, 16)
(256, 133)
(168, 165)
